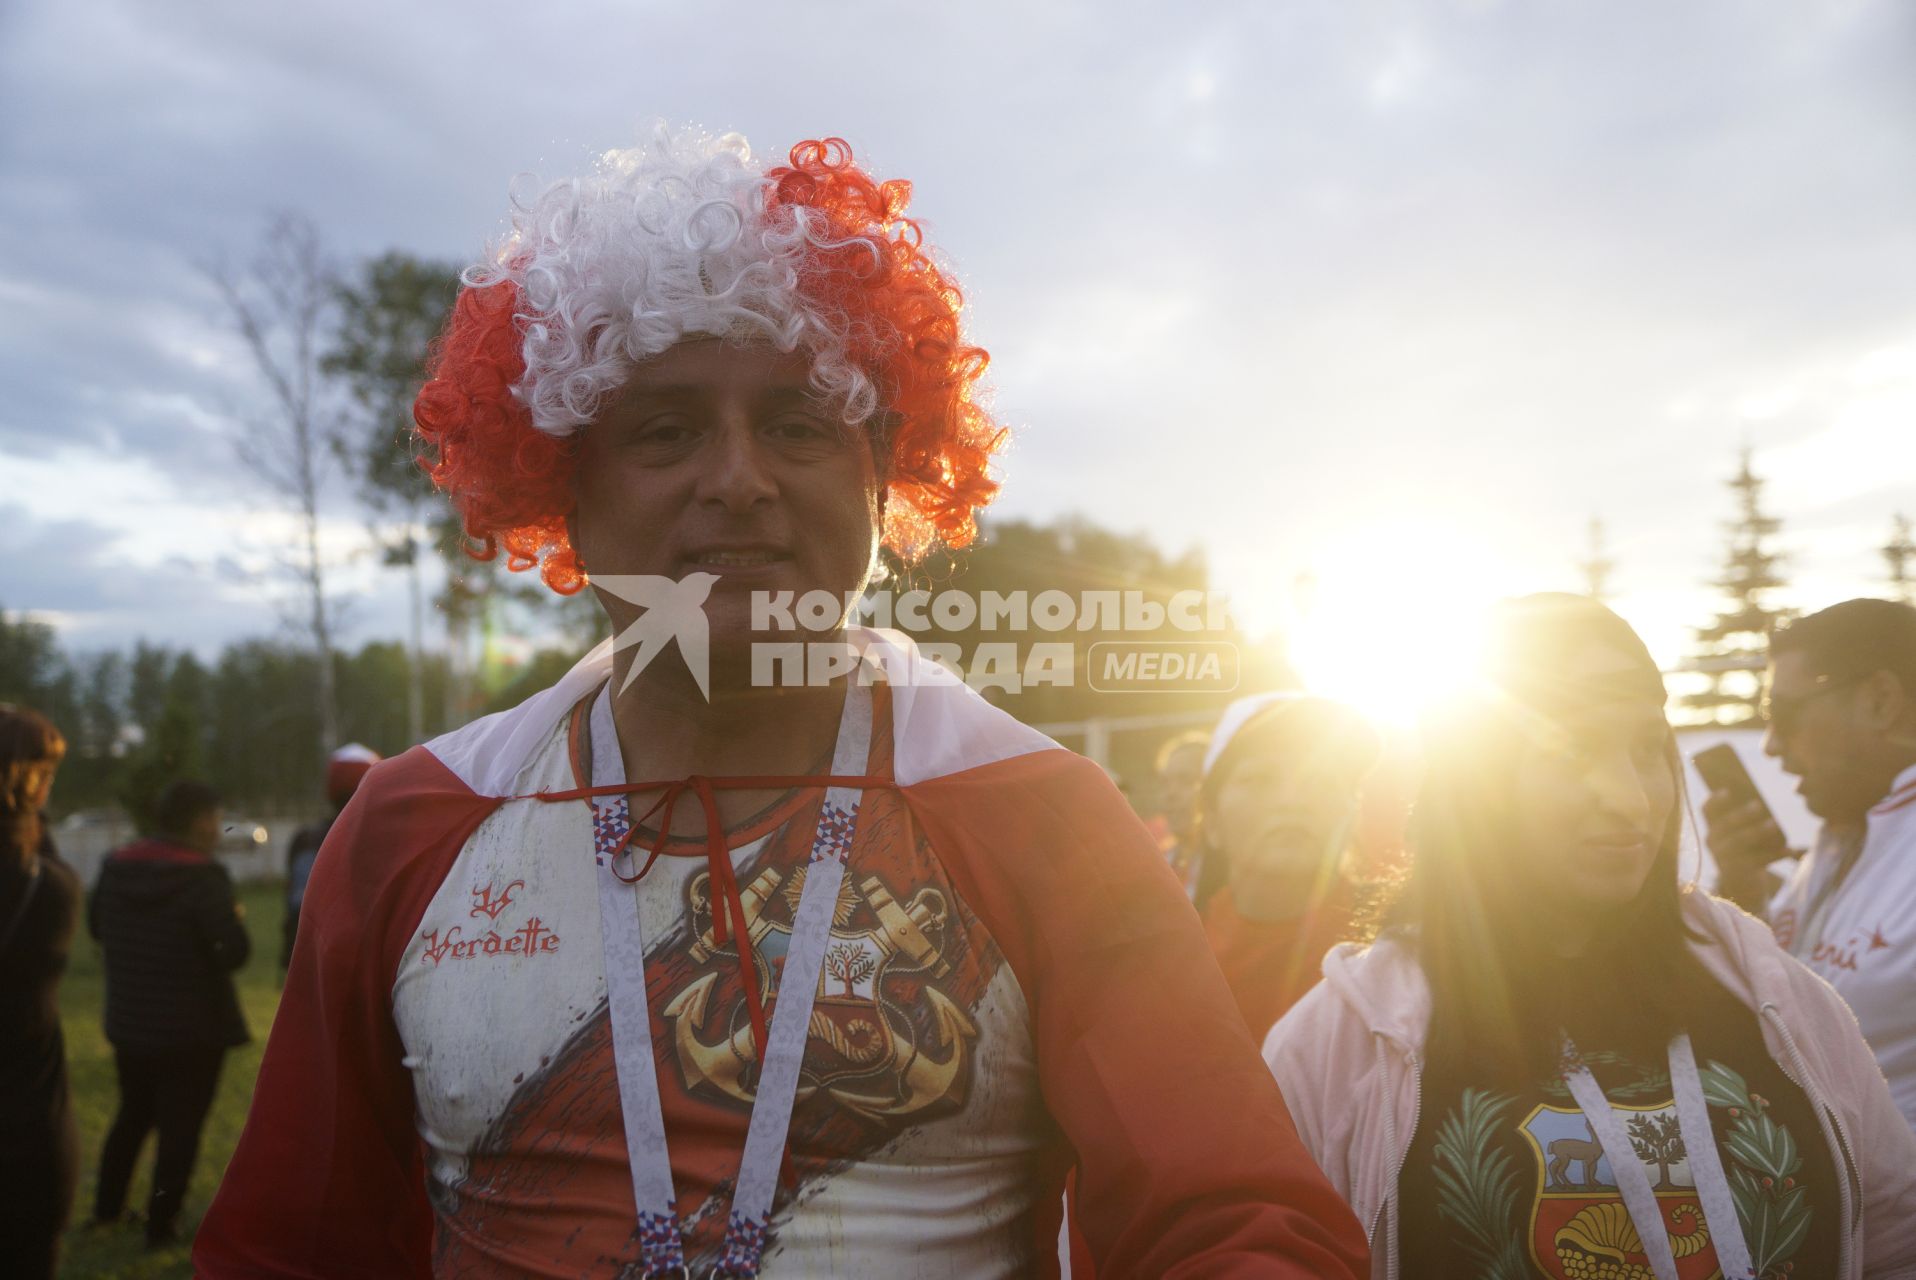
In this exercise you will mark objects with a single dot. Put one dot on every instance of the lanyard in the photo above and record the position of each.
(782, 1050)
(1699, 1147)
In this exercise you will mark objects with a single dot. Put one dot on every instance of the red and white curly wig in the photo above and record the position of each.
(688, 236)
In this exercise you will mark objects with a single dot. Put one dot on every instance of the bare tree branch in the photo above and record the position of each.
(278, 303)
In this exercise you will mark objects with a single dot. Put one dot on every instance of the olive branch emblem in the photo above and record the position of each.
(1771, 1204)
(1476, 1185)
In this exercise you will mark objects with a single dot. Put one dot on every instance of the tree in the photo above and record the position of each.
(280, 302)
(851, 964)
(1659, 1139)
(1730, 650)
(388, 316)
(1597, 566)
(265, 745)
(146, 686)
(170, 752)
(29, 658)
(373, 688)
(35, 673)
(1900, 554)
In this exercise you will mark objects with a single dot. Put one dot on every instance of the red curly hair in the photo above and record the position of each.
(873, 282)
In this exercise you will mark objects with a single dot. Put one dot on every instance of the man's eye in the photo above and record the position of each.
(664, 431)
(798, 427)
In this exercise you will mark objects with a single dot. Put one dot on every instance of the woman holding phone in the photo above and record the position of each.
(1553, 1060)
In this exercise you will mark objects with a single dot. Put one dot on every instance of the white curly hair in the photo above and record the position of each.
(661, 242)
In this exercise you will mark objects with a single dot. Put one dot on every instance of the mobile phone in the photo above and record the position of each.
(1723, 771)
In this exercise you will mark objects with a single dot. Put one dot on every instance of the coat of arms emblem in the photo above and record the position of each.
(885, 1041)
(1579, 1226)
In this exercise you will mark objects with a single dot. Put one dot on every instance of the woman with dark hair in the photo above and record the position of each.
(1555, 1060)
(39, 910)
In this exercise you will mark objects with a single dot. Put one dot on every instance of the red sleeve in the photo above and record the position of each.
(1269, 965)
(1188, 1164)
(328, 1180)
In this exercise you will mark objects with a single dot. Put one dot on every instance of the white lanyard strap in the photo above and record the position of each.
(660, 1244)
(797, 987)
(1706, 1164)
(622, 944)
(1633, 1182)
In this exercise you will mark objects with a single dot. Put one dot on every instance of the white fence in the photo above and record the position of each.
(253, 849)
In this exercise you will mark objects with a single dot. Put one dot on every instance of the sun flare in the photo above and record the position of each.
(1391, 617)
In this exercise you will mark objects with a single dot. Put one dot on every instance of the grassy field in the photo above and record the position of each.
(119, 1251)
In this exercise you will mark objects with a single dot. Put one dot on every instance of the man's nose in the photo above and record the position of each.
(736, 474)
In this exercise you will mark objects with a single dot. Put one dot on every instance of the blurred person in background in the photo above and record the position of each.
(1279, 803)
(344, 769)
(165, 913)
(1841, 706)
(1179, 768)
(1554, 1059)
(39, 911)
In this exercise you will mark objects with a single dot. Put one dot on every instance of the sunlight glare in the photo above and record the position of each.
(1391, 618)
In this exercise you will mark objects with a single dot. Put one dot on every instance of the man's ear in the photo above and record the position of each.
(1885, 703)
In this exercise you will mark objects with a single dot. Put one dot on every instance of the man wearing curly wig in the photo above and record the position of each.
(673, 970)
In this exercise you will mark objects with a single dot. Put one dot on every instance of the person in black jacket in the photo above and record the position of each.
(39, 910)
(173, 934)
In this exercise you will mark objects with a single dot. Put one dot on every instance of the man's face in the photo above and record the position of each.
(719, 458)
(1820, 729)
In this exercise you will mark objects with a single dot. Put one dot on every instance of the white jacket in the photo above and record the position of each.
(1348, 1058)
(1862, 938)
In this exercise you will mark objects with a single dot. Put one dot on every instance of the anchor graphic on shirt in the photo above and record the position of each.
(860, 1049)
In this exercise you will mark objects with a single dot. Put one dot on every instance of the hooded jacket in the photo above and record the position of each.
(165, 915)
(1349, 1061)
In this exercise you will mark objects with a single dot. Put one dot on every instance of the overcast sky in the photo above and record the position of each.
(1296, 282)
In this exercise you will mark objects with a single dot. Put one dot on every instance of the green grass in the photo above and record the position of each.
(119, 1252)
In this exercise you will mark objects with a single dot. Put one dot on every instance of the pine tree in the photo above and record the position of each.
(1598, 567)
(1730, 651)
(1900, 553)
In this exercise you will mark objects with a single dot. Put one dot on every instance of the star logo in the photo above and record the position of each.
(674, 610)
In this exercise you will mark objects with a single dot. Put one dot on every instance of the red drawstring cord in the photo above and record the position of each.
(718, 858)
